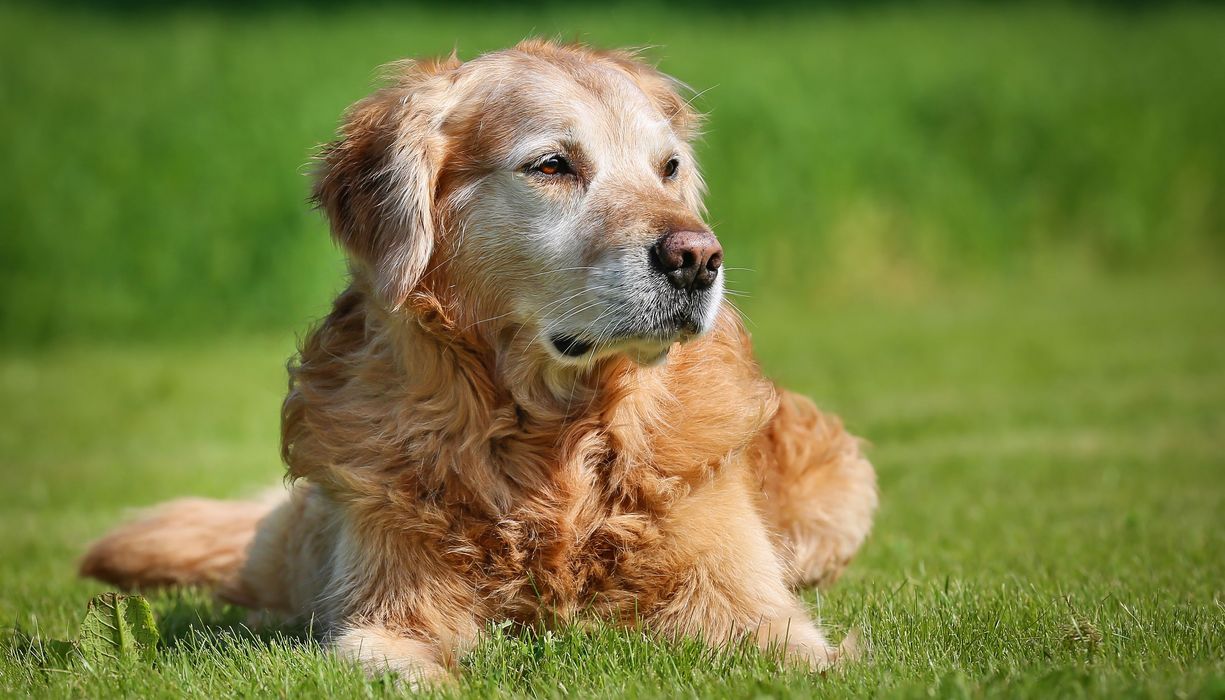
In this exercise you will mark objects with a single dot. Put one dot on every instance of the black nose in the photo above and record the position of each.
(690, 259)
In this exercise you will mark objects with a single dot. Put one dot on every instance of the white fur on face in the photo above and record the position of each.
(568, 258)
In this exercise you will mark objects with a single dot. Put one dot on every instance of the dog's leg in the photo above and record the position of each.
(819, 491)
(378, 649)
(421, 644)
(286, 567)
(392, 604)
(734, 585)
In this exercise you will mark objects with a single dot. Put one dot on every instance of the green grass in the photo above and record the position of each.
(153, 163)
(1049, 455)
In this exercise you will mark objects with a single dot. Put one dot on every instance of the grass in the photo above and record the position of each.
(153, 162)
(1000, 230)
(1050, 459)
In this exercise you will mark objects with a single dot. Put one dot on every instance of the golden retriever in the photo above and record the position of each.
(530, 403)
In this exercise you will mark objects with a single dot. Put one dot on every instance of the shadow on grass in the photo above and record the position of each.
(186, 618)
(193, 619)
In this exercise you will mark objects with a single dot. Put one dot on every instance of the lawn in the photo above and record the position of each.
(991, 238)
(1050, 459)
(153, 162)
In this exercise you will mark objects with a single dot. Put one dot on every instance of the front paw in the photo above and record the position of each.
(378, 651)
(820, 656)
(802, 642)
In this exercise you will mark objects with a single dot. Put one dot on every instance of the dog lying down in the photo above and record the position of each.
(530, 403)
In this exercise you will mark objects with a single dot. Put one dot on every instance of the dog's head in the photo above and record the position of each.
(551, 188)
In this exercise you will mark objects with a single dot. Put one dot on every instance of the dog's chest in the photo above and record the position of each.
(552, 558)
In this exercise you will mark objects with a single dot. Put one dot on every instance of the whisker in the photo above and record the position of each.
(535, 314)
(599, 338)
(471, 325)
(576, 310)
(696, 95)
(541, 310)
(567, 315)
(566, 414)
(485, 320)
(740, 312)
(563, 317)
(562, 269)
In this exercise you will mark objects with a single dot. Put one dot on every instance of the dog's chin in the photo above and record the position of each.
(646, 345)
(646, 351)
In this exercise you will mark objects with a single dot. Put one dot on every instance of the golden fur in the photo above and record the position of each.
(446, 472)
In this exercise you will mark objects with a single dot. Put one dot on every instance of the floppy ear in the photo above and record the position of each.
(376, 182)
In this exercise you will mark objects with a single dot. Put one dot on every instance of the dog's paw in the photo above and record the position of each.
(821, 656)
(379, 651)
(818, 656)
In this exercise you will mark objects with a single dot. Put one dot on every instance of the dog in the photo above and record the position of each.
(530, 403)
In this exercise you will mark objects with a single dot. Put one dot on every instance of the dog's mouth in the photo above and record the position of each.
(642, 349)
(646, 340)
(571, 346)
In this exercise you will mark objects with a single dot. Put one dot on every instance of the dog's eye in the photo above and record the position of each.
(553, 165)
(671, 167)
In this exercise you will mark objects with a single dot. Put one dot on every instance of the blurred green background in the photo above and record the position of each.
(154, 160)
(990, 236)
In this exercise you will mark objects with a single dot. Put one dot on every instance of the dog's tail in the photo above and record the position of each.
(192, 541)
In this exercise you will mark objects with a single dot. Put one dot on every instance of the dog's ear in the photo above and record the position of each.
(376, 181)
